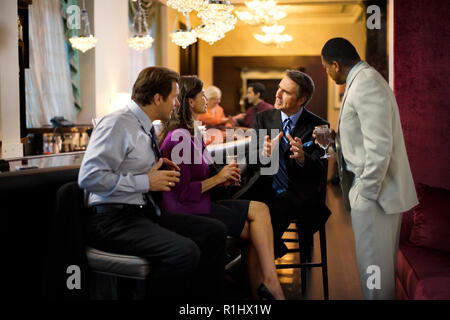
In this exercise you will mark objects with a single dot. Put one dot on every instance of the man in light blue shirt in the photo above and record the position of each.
(123, 173)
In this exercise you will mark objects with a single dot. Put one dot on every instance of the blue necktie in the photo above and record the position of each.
(155, 148)
(280, 180)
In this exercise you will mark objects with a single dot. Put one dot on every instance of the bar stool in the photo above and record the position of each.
(305, 245)
(118, 267)
(305, 242)
(70, 225)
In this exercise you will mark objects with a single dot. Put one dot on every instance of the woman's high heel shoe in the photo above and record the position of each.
(264, 293)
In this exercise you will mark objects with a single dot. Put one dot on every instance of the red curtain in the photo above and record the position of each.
(422, 86)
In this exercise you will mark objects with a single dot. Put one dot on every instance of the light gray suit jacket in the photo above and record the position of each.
(370, 145)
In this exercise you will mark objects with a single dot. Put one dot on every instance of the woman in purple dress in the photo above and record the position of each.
(249, 220)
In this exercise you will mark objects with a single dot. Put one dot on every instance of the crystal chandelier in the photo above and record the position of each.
(140, 43)
(261, 12)
(140, 39)
(209, 33)
(85, 41)
(185, 6)
(272, 36)
(214, 10)
(217, 19)
(183, 38)
(218, 13)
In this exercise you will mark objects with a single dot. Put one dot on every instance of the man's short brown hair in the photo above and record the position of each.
(151, 81)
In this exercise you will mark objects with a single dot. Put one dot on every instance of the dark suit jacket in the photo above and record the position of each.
(307, 183)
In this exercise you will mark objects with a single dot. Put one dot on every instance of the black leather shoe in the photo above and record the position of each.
(264, 293)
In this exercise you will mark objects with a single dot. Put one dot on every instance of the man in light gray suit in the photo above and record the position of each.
(373, 165)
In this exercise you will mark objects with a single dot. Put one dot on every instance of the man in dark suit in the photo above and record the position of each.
(296, 189)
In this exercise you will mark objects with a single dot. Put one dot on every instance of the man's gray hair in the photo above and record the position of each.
(305, 84)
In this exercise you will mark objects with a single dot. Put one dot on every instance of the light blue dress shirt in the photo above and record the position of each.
(118, 157)
(294, 118)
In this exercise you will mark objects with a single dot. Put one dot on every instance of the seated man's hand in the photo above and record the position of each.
(269, 145)
(240, 116)
(296, 148)
(232, 121)
(162, 180)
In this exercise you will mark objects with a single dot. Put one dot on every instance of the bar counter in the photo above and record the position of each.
(28, 196)
(72, 160)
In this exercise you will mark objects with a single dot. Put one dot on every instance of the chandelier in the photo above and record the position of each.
(215, 10)
(217, 19)
(261, 12)
(218, 13)
(185, 6)
(273, 36)
(85, 41)
(140, 43)
(209, 33)
(183, 38)
(140, 38)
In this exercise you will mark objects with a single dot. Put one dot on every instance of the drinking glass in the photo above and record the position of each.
(323, 136)
(233, 159)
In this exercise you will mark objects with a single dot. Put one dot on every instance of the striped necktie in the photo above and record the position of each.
(280, 180)
(286, 130)
(155, 148)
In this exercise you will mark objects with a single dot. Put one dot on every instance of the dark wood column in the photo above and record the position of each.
(376, 46)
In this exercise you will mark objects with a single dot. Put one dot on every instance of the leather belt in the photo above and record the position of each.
(102, 208)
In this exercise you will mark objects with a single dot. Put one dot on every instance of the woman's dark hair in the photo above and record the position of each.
(190, 86)
(151, 81)
(340, 50)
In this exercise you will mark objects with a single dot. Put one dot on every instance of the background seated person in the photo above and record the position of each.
(255, 96)
(249, 220)
(214, 115)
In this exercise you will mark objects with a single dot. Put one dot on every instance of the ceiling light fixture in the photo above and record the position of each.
(273, 36)
(261, 12)
(209, 33)
(140, 38)
(217, 19)
(183, 38)
(185, 6)
(85, 41)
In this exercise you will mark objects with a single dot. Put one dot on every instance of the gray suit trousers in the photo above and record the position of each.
(376, 240)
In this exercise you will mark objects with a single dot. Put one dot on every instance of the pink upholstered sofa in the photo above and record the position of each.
(424, 254)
